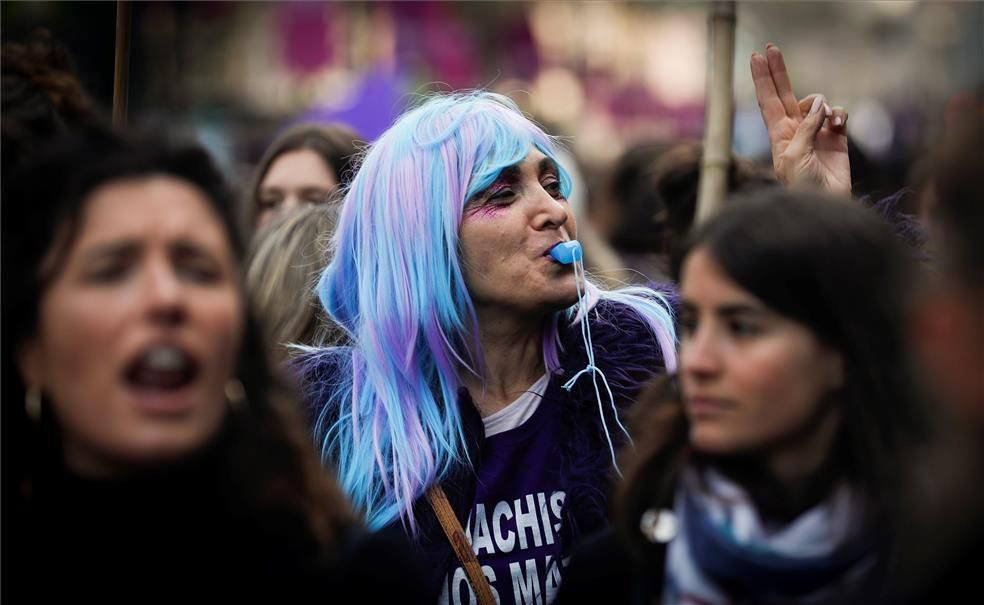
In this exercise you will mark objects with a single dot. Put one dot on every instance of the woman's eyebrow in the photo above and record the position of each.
(189, 248)
(112, 249)
(736, 309)
(547, 165)
(316, 189)
(507, 175)
(725, 310)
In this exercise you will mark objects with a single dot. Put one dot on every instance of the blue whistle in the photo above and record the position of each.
(567, 252)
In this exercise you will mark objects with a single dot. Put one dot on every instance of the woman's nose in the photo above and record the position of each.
(164, 293)
(699, 355)
(551, 213)
(291, 201)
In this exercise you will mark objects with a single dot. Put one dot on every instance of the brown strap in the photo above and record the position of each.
(462, 548)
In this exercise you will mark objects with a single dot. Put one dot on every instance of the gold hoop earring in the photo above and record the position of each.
(235, 393)
(32, 403)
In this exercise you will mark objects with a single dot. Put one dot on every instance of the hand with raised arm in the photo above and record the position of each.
(808, 137)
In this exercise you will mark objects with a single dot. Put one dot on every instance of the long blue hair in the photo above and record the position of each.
(391, 426)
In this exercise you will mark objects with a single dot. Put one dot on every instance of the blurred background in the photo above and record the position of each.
(608, 75)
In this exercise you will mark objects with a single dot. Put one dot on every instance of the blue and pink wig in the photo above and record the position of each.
(392, 427)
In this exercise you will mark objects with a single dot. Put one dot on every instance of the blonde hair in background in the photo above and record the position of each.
(285, 261)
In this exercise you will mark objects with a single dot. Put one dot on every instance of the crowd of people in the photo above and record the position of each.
(383, 372)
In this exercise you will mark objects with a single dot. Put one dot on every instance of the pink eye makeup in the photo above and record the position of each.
(494, 199)
(487, 211)
(496, 189)
(501, 188)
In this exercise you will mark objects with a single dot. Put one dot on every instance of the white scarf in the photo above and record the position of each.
(726, 531)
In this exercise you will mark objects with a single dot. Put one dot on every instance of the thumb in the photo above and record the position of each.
(802, 142)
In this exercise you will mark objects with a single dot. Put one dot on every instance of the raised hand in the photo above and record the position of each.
(808, 137)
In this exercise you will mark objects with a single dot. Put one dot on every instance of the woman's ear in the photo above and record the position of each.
(834, 370)
(946, 328)
(29, 362)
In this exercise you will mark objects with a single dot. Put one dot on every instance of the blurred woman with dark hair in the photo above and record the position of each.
(947, 327)
(157, 451)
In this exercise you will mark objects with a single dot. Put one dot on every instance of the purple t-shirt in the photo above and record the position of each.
(514, 523)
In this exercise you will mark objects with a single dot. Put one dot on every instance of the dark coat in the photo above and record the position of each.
(176, 534)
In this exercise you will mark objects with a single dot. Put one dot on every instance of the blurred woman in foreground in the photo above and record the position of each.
(159, 454)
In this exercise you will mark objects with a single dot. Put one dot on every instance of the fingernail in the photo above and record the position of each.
(838, 121)
(770, 45)
(826, 110)
(817, 102)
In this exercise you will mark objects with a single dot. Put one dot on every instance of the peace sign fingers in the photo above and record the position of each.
(784, 88)
(808, 137)
(773, 110)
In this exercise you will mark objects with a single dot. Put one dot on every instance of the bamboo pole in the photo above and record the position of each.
(718, 116)
(121, 72)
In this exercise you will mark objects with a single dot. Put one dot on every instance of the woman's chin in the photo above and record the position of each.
(561, 298)
(711, 441)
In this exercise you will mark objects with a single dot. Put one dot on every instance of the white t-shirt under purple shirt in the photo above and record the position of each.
(517, 412)
(515, 521)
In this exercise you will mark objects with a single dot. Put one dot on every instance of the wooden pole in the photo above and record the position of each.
(716, 161)
(121, 73)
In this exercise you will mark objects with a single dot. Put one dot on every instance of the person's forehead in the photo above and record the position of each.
(298, 166)
(534, 162)
(154, 204)
(703, 279)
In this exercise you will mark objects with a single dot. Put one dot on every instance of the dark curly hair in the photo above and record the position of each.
(42, 96)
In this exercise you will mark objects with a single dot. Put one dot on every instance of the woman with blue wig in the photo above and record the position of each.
(484, 377)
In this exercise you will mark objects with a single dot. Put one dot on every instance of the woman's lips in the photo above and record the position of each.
(159, 377)
(706, 406)
(552, 246)
(549, 257)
